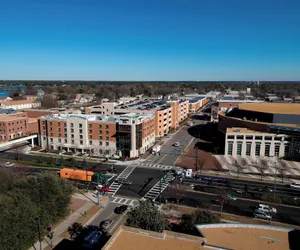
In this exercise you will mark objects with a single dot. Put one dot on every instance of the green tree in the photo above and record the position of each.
(75, 230)
(200, 216)
(146, 216)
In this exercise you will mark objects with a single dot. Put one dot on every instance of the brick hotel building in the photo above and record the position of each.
(125, 135)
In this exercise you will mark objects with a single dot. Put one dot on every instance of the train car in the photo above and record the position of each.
(78, 175)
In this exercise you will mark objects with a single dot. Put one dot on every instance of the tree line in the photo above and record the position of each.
(29, 202)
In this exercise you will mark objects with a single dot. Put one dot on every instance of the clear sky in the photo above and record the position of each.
(150, 39)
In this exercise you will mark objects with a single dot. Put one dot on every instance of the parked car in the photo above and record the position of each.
(120, 209)
(104, 225)
(8, 164)
(240, 191)
(92, 239)
(176, 144)
(261, 215)
(295, 185)
(266, 208)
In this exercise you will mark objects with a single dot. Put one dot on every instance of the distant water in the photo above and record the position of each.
(4, 93)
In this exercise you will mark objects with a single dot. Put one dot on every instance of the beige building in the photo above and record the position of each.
(246, 142)
(20, 104)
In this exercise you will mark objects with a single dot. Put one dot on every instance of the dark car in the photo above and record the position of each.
(104, 225)
(120, 209)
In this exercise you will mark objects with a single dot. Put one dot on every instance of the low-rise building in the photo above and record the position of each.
(126, 135)
(20, 104)
(13, 126)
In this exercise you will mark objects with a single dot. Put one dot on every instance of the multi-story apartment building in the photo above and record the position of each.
(125, 135)
(168, 114)
(20, 104)
(13, 126)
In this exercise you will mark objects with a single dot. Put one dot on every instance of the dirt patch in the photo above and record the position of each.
(205, 160)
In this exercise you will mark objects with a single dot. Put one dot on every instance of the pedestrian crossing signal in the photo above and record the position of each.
(51, 235)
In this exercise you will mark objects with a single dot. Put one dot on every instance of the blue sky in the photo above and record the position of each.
(150, 39)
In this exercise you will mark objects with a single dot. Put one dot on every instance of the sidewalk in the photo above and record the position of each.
(62, 227)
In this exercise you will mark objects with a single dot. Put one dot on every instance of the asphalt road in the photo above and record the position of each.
(253, 187)
(169, 153)
(93, 166)
(105, 214)
(285, 214)
(140, 185)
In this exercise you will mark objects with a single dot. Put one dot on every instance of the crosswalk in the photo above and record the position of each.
(115, 186)
(155, 166)
(159, 187)
(123, 201)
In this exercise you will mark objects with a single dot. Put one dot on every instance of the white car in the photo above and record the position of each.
(8, 164)
(295, 185)
(176, 144)
(267, 208)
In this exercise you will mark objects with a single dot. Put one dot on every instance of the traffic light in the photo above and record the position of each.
(51, 235)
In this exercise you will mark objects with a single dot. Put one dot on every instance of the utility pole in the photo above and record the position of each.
(38, 221)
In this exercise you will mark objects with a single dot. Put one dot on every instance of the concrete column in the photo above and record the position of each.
(32, 142)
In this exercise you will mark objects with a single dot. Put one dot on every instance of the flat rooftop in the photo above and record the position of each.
(242, 131)
(246, 236)
(150, 105)
(273, 108)
(127, 238)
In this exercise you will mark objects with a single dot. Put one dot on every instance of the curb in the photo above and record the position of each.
(93, 217)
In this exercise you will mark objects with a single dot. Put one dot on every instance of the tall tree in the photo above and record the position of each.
(262, 167)
(146, 216)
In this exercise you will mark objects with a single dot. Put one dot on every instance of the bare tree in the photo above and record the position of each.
(238, 167)
(262, 167)
(282, 168)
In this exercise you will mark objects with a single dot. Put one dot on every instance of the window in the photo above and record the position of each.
(72, 130)
(268, 138)
(44, 138)
(257, 148)
(239, 148)
(100, 137)
(286, 149)
(91, 142)
(80, 131)
(106, 132)
(66, 140)
(249, 137)
(277, 148)
(90, 125)
(80, 136)
(59, 140)
(58, 124)
(90, 131)
(106, 126)
(230, 146)
(51, 134)
(51, 139)
(258, 137)
(100, 126)
(106, 138)
(80, 125)
(50, 123)
(100, 132)
(278, 138)
(240, 137)
(100, 143)
(107, 143)
(72, 125)
(267, 148)
(248, 149)
(81, 142)
(59, 134)
(65, 130)
(90, 136)
(65, 136)
(230, 136)
(72, 135)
